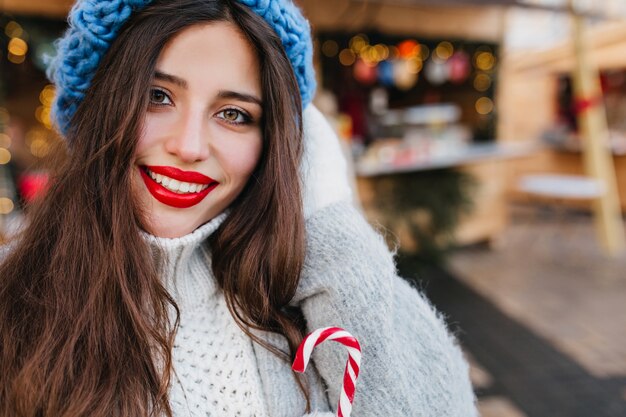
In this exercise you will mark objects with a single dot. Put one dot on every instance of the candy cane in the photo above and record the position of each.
(352, 367)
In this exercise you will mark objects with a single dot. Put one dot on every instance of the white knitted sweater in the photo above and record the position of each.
(411, 365)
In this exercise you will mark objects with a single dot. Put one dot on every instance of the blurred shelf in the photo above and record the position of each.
(468, 155)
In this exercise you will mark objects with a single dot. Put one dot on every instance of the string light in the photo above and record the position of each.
(347, 57)
(482, 82)
(46, 97)
(409, 48)
(13, 30)
(6, 205)
(37, 142)
(330, 48)
(485, 61)
(414, 65)
(17, 50)
(5, 156)
(358, 42)
(444, 51)
(484, 106)
(40, 148)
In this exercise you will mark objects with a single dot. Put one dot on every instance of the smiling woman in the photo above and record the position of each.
(184, 249)
(201, 137)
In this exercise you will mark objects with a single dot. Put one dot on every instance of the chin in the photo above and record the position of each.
(160, 227)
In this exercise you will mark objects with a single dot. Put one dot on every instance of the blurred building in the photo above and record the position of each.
(413, 86)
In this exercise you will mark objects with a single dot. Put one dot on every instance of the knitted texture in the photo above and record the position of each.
(215, 368)
(411, 364)
(94, 25)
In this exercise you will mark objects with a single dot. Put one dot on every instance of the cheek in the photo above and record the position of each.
(239, 161)
(149, 134)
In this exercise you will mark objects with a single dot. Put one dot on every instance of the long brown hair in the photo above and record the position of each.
(85, 326)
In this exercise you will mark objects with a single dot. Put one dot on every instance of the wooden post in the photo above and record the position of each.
(597, 155)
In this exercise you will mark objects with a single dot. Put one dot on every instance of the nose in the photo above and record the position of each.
(189, 141)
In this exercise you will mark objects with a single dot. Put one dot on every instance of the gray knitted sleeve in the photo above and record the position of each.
(411, 364)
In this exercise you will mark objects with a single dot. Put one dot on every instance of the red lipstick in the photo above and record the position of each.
(171, 198)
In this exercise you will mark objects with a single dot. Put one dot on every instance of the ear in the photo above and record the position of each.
(323, 170)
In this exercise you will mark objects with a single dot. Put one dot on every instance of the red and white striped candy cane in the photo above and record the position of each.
(352, 367)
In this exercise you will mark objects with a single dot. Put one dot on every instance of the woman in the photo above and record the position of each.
(170, 269)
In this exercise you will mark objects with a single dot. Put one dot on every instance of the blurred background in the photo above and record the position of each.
(487, 142)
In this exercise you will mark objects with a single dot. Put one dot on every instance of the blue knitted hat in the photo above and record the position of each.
(94, 25)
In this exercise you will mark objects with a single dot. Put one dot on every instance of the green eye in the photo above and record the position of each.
(234, 116)
(231, 115)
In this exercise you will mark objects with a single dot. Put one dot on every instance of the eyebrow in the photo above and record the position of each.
(248, 98)
(235, 95)
(171, 79)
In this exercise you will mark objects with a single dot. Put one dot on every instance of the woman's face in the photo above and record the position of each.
(201, 139)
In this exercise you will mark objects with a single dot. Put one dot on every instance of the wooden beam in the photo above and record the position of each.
(46, 8)
(595, 135)
(561, 58)
(465, 22)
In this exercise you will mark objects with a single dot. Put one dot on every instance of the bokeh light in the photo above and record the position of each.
(408, 48)
(358, 42)
(13, 30)
(484, 61)
(484, 105)
(414, 65)
(347, 57)
(444, 50)
(17, 47)
(330, 48)
(40, 148)
(482, 82)
(6, 205)
(46, 97)
(5, 156)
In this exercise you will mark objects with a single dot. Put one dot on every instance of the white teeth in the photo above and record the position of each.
(175, 185)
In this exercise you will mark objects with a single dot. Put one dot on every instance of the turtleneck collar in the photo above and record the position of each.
(185, 263)
(192, 240)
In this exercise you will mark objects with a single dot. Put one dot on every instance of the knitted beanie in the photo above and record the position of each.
(94, 25)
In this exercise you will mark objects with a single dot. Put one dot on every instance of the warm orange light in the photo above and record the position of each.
(482, 82)
(17, 47)
(330, 48)
(16, 59)
(414, 65)
(13, 30)
(406, 49)
(5, 156)
(6, 205)
(484, 105)
(382, 51)
(485, 61)
(444, 50)
(39, 148)
(46, 97)
(347, 57)
(358, 42)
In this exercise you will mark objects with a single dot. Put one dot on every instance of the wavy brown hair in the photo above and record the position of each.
(86, 325)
